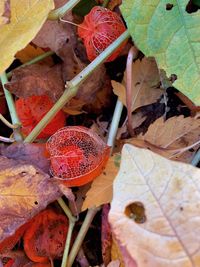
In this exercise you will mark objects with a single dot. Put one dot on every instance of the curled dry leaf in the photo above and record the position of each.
(37, 80)
(30, 189)
(27, 18)
(101, 188)
(172, 134)
(155, 210)
(34, 154)
(145, 82)
(4, 12)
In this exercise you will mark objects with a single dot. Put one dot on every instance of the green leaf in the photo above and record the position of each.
(84, 7)
(165, 30)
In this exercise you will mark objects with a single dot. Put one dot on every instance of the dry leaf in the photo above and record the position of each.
(101, 188)
(27, 18)
(37, 80)
(30, 52)
(4, 12)
(116, 253)
(175, 133)
(34, 154)
(155, 210)
(145, 80)
(24, 191)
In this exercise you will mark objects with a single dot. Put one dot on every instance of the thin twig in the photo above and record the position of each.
(129, 96)
(6, 139)
(7, 123)
(11, 107)
(81, 235)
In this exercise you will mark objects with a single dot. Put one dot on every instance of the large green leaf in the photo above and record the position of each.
(163, 29)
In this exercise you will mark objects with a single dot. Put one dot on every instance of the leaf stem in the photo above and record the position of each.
(11, 107)
(129, 96)
(7, 123)
(59, 12)
(66, 210)
(81, 235)
(196, 158)
(32, 61)
(72, 86)
(6, 139)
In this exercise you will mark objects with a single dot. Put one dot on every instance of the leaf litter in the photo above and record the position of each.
(167, 129)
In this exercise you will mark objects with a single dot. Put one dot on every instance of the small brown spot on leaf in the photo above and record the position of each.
(136, 211)
(169, 6)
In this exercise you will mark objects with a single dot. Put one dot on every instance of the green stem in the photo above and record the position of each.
(66, 210)
(11, 107)
(105, 3)
(32, 61)
(60, 12)
(81, 235)
(72, 86)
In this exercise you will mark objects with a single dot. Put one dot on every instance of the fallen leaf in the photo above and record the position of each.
(4, 12)
(31, 51)
(155, 205)
(37, 80)
(34, 154)
(24, 191)
(54, 34)
(172, 134)
(145, 81)
(101, 188)
(27, 18)
(116, 253)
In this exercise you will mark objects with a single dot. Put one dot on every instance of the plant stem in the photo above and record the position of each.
(66, 210)
(11, 107)
(7, 123)
(129, 96)
(32, 61)
(72, 86)
(81, 235)
(196, 158)
(105, 3)
(115, 124)
(6, 139)
(59, 12)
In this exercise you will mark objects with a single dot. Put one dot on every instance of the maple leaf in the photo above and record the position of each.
(155, 205)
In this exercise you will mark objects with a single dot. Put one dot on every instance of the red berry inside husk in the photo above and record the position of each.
(100, 28)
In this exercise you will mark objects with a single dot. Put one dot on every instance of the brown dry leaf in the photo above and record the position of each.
(155, 210)
(27, 18)
(31, 153)
(37, 80)
(101, 188)
(145, 80)
(24, 191)
(4, 12)
(54, 34)
(30, 52)
(175, 133)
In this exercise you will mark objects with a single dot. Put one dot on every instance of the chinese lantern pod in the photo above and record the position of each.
(78, 155)
(100, 28)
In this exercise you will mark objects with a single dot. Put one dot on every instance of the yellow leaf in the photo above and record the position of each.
(4, 12)
(27, 18)
(155, 210)
(101, 188)
(145, 80)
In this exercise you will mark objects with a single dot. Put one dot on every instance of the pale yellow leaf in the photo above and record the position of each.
(4, 12)
(166, 233)
(145, 80)
(101, 188)
(27, 18)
